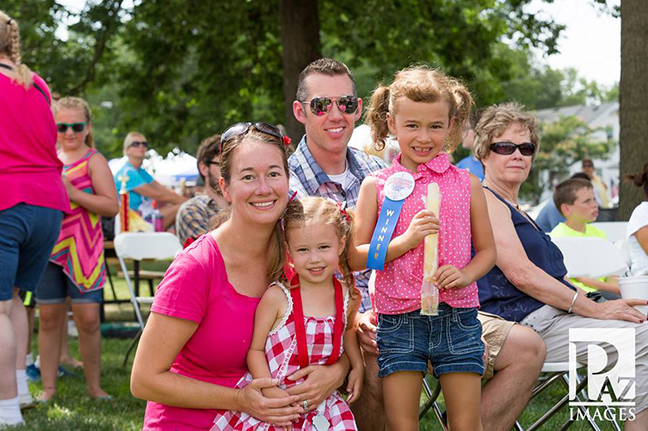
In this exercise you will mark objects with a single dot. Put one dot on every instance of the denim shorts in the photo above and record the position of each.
(451, 341)
(54, 287)
(27, 236)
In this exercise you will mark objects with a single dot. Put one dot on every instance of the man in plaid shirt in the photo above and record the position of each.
(193, 218)
(324, 165)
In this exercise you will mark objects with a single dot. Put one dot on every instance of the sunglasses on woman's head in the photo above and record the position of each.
(239, 129)
(76, 127)
(321, 105)
(138, 144)
(507, 148)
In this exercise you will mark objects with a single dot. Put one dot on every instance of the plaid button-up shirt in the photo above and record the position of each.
(308, 179)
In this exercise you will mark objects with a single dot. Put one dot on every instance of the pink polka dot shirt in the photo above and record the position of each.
(398, 286)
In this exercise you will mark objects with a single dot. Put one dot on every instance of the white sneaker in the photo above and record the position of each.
(26, 401)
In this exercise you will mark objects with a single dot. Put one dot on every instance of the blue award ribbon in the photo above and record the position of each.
(383, 232)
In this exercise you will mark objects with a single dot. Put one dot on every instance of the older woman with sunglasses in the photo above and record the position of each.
(528, 283)
(142, 188)
(193, 349)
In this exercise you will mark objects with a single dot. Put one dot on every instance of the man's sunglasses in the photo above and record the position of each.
(507, 148)
(239, 129)
(321, 105)
(138, 144)
(76, 127)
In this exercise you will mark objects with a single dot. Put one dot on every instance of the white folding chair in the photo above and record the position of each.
(591, 257)
(137, 247)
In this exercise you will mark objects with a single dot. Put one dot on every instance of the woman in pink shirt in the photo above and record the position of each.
(425, 110)
(194, 346)
(32, 203)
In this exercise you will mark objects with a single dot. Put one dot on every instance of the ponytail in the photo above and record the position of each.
(377, 117)
(10, 46)
(640, 179)
(463, 103)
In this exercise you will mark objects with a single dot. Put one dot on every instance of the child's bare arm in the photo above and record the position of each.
(611, 284)
(482, 236)
(352, 349)
(268, 314)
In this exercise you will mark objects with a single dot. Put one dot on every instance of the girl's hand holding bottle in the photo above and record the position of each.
(424, 223)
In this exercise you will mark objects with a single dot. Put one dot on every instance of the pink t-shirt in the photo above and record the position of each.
(30, 171)
(398, 286)
(195, 287)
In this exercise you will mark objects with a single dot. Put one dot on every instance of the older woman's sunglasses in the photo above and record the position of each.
(321, 105)
(76, 127)
(239, 129)
(137, 144)
(507, 148)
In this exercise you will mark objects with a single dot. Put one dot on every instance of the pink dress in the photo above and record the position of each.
(79, 248)
(398, 286)
(281, 353)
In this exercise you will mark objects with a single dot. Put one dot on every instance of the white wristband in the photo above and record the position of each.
(571, 307)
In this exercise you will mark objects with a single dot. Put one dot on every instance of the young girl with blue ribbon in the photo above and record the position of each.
(309, 322)
(425, 111)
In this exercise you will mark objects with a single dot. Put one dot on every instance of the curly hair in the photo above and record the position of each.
(419, 84)
(10, 46)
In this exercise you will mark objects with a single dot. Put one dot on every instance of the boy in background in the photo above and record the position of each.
(575, 200)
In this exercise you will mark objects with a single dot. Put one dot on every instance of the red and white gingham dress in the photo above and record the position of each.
(281, 352)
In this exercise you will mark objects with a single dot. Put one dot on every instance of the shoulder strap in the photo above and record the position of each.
(6, 66)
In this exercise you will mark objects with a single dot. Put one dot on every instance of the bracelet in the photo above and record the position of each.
(571, 307)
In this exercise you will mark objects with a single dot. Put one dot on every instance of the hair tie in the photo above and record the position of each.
(342, 208)
(9, 22)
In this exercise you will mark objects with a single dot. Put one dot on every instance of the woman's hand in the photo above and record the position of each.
(354, 384)
(320, 382)
(71, 190)
(424, 223)
(449, 276)
(621, 309)
(276, 411)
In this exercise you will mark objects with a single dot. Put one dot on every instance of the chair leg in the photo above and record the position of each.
(433, 394)
(131, 347)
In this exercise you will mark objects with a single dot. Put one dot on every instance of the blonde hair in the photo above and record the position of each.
(321, 211)
(419, 84)
(81, 105)
(496, 119)
(128, 140)
(10, 46)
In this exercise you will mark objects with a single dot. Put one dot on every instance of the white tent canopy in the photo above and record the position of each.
(169, 171)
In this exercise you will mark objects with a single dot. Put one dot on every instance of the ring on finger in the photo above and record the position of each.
(305, 404)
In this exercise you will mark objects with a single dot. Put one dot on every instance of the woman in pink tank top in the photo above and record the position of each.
(31, 208)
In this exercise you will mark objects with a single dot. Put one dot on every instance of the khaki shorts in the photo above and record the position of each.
(494, 330)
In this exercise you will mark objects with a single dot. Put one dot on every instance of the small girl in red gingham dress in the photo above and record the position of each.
(310, 323)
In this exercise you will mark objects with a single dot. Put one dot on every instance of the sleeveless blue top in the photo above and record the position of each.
(497, 295)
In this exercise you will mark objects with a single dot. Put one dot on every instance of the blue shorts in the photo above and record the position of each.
(451, 341)
(54, 287)
(27, 236)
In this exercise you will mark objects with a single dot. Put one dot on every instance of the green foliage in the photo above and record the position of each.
(563, 143)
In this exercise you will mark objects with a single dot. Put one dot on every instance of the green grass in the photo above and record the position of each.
(73, 410)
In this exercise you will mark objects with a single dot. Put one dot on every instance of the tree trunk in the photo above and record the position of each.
(300, 39)
(633, 100)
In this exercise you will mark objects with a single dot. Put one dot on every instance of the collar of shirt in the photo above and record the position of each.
(439, 165)
(313, 173)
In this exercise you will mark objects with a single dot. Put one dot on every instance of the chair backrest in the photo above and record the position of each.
(153, 245)
(591, 257)
(615, 230)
